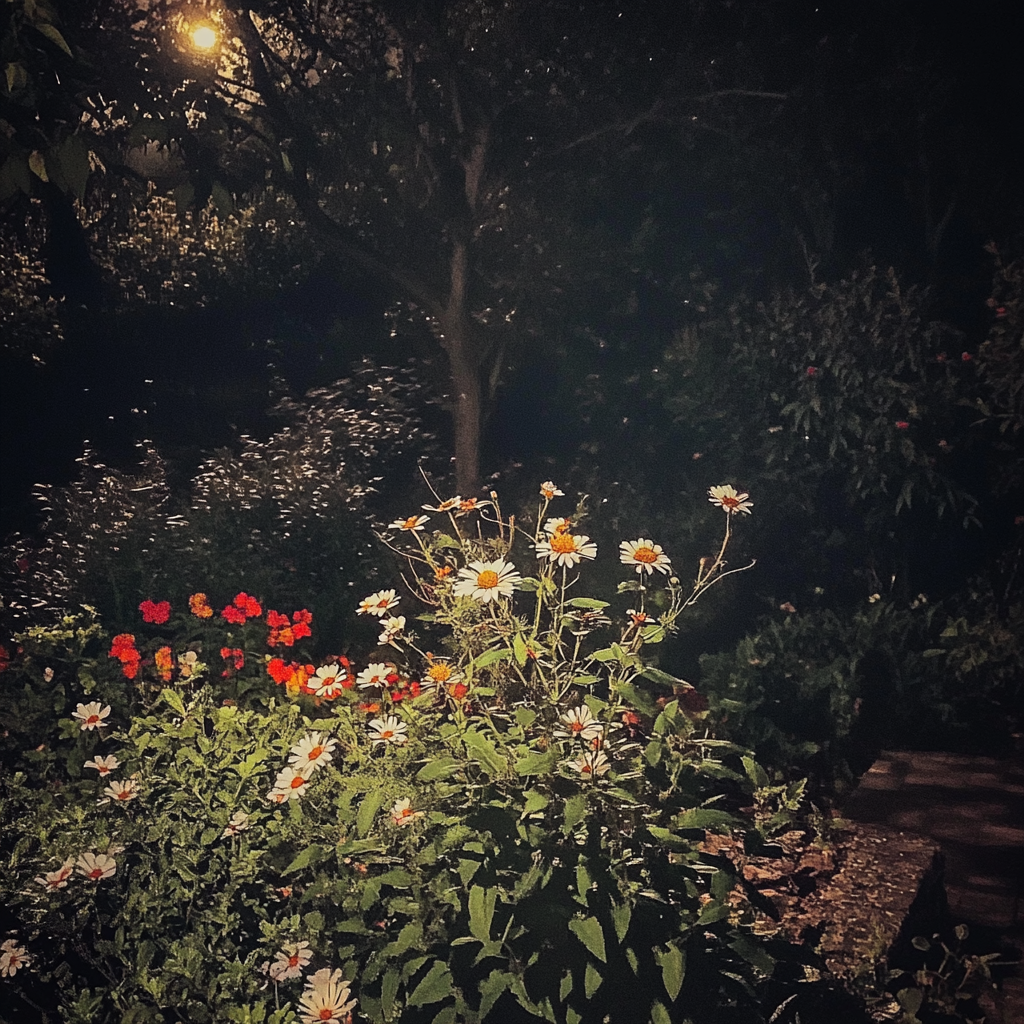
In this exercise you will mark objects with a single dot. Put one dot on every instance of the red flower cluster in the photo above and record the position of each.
(812, 371)
(402, 689)
(158, 613)
(164, 663)
(243, 607)
(200, 607)
(292, 676)
(125, 651)
(902, 425)
(966, 357)
(5, 658)
(235, 658)
(284, 632)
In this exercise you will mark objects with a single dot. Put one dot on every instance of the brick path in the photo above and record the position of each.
(973, 809)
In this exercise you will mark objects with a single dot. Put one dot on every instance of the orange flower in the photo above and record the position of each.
(164, 663)
(199, 607)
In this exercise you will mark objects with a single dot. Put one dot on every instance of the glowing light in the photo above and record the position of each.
(204, 37)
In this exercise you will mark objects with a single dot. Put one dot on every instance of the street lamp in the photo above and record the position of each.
(204, 37)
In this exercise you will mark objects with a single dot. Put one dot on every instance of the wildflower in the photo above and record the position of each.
(874, 597)
(48, 672)
(446, 506)
(234, 656)
(329, 680)
(644, 556)
(566, 549)
(902, 425)
(787, 606)
(588, 621)
(373, 675)
(123, 791)
(486, 581)
(158, 613)
(402, 813)
(391, 629)
(123, 648)
(412, 524)
(291, 959)
(164, 663)
(389, 730)
(579, 723)
(199, 606)
(441, 672)
(96, 866)
(729, 500)
(637, 618)
(280, 671)
(468, 505)
(458, 691)
(300, 623)
(239, 823)
(326, 999)
(292, 782)
(12, 957)
(189, 665)
(553, 527)
(399, 688)
(442, 572)
(371, 707)
(966, 357)
(812, 371)
(378, 604)
(941, 357)
(243, 607)
(548, 490)
(58, 879)
(91, 715)
(312, 751)
(591, 764)
(104, 765)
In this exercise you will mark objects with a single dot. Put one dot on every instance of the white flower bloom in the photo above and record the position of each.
(58, 879)
(487, 581)
(390, 729)
(729, 500)
(312, 751)
(644, 556)
(378, 604)
(123, 791)
(326, 998)
(402, 813)
(290, 960)
(392, 628)
(91, 715)
(413, 524)
(96, 866)
(448, 505)
(48, 674)
(553, 526)
(591, 764)
(104, 765)
(579, 723)
(291, 783)
(328, 681)
(12, 958)
(548, 490)
(566, 549)
(375, 674)
(239, 823)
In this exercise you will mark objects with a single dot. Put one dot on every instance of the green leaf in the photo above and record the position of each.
(910, 999)
(589, 603)
(54, 36)
(535, 801)
(754, 953)
(575, 810)
(314, 920)
(388, 991)
(668, 837)
(673, 969)
(621, 915)
(583, 880)
(447, 1015)
(640, 700)
(222, 199)
(757, 775)
(663, 678)
(538, 764)
(184, 196)
(591, 980)
(705, 817)
(368, 811)
(588, 930)
(482, 750)
(565, 987)
(436, 986)
(37, 165)
(525, 717)
(586, 680)
(571, 1016)
(173, 698)
(659, 1015)
(286, 163)
(713, 912)
(17, 77)
(439, 768)
(491, 989)
(310, 855)
(489, 658)
(481, 911)
(519, 648)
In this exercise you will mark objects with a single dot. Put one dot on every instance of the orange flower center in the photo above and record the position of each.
(125, 794)
(645, 555)
(387, 734)
(96, 874)
(563, 543)
(326, 1013)
(728, 502)
(440, 673)
(586, 769)
(293, 960)
(576, 727)
(487, 580)
(92, 719)
(297, 782)
(410, 523)
(405, 812)
(316, 752)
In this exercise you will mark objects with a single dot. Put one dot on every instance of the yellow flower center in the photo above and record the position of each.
(410, 523)
(487, 580)
(440, 673)
(563, 543)
(645, 555)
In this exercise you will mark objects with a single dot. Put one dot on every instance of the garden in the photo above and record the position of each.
(517, 511)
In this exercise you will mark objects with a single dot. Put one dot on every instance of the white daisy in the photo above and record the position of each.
(448, 505)
(12, 958)
(591, 764)
(291, 783)
(326, 998)
(644, 556)
(239, 823)
(290, 960)
(389, 730)
(312, 751)
(104, 765)
(579, 723)
(566, 549)
(402, 813)
(122, 791)
(391, 629)
(729, 500)
(378, 604)
(412, 524)
(487, 581)
(560, 525)
(548, 490)
(91, 715)
(375, 674)
(58, 879)
(96, 866)
(328, 681)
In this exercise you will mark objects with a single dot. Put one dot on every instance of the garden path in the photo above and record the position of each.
(972, 807)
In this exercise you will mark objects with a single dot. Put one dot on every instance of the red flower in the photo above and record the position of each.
(302, 619)
(248, 604)
(234, 615)
(279, 671)
(941, 357)
(275, 619)
(158, 613)
(199, 606)
(812, 371)
(234, 656)
(5, 658)
(1000, 312)
(902, 425)
(123, 648)
(22, 564)
(966, 357)
(164, 663)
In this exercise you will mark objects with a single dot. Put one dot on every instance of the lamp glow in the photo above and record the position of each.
(204, 37)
